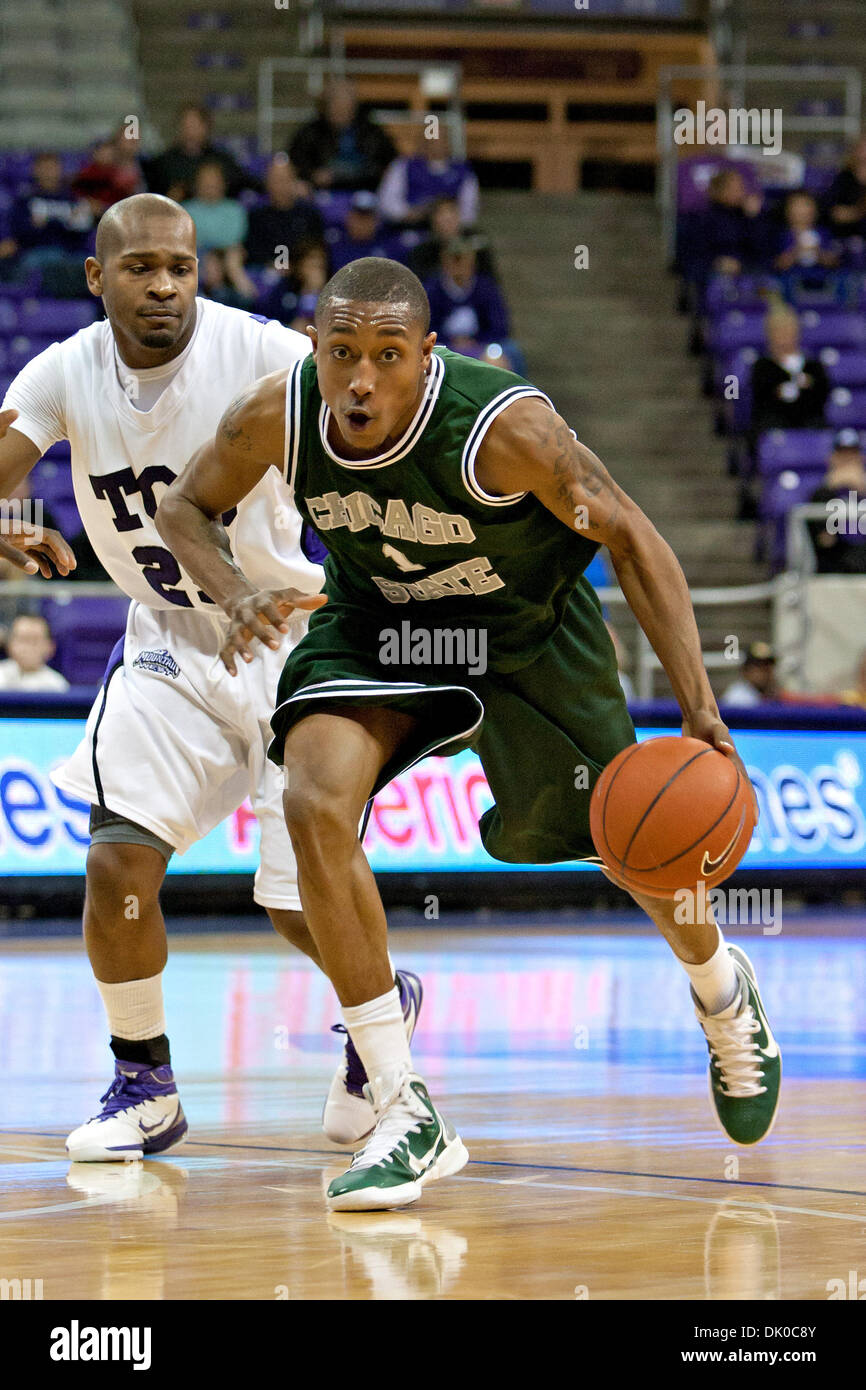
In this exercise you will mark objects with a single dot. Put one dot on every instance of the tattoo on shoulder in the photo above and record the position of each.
(230, 428)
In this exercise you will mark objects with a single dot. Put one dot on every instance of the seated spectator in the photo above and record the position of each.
(362, 234)
(174, 171)
(789, 390)
(729, 236)
(222, 277)
(111, 173)
(467, 309)
(804, 245)
(425, 258)
(49, 225)
(30, 648)
(845, 201)
(341, 148)
(756, 682)
(840, 540)
(220, 222)
(411, 186)
(287, 218)
(856, 693)
(292, 300)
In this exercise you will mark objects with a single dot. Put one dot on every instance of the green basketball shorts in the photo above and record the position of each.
(543, 733)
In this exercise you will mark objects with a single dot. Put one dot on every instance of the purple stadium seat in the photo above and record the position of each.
(56, 318)
(846, 408)
(780, 451)
(333, 207)
(789, 489)
(737, 292)
(736, 328)
(832, 328)
(8, 314)
(845, 366)
(737, 364)
(85, 630)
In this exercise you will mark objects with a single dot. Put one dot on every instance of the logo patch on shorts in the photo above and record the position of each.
(162, 662)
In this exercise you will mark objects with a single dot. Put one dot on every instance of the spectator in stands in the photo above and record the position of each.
(425, 259)
(804, 245)
(467, 309)
(287, 218)
(756, 682)
(222, 277)
(341, 148)
(49, 225)
(174, 171)
(728, 237)
(30, 648)
(411, 186)
(292, 300)
(111, 173)
(362, 234)
(845, 201)
(840, 540)
(789, 390)
(220, 221)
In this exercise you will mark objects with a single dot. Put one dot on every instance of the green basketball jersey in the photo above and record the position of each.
(411, 533)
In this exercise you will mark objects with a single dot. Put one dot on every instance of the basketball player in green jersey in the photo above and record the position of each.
(459, 512)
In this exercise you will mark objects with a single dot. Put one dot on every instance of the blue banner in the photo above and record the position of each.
(810, 784)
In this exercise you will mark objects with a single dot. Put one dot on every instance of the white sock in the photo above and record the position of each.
(378, 1031)
(135, 1008)
(715, 982)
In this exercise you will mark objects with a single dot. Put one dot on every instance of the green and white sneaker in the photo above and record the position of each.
(745, 1062)
(411, 1145)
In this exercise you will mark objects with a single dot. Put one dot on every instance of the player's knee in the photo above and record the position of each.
(313, 811)
(116, 872)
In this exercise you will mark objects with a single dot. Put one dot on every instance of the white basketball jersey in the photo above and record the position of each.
(123, 459)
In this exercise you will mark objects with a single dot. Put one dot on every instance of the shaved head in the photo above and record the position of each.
(126, 224)
(146, 273)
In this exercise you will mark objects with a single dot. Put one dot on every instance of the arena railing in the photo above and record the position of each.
(439, 81)
(733, 81)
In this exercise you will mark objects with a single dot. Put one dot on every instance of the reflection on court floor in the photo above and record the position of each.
(571, 1064)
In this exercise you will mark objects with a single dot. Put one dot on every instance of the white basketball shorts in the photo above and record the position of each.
(175, 744)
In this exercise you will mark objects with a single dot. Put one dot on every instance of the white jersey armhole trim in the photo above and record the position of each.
(476, 437)
(293, 424)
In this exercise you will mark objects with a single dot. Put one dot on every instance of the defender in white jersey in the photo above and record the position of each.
(173, 745)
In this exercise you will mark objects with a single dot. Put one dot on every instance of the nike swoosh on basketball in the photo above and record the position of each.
(708, 865)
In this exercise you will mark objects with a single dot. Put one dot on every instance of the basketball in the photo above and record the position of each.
(670, 813)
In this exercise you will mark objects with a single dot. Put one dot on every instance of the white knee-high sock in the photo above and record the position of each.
(378, 1031)
(134, 1008)
(715, 982)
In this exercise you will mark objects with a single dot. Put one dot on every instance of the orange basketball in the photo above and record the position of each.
(670, 813)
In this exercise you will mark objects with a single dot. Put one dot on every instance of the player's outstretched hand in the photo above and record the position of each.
(708, 726)
(262, 615)
(36, 554)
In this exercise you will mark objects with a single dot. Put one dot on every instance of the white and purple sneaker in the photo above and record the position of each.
(141, 1115)
(348, 1115)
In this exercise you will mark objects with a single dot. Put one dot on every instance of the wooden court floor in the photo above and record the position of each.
(572, 1066)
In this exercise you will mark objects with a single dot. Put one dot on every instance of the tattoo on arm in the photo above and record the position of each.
(579, 476)
(231, 431)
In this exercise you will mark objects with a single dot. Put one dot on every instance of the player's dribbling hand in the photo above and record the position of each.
(708, 726)
(262, 616)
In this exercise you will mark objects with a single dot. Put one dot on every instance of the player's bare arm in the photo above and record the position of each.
(531, 448)
(248, 441)
(33, 553)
